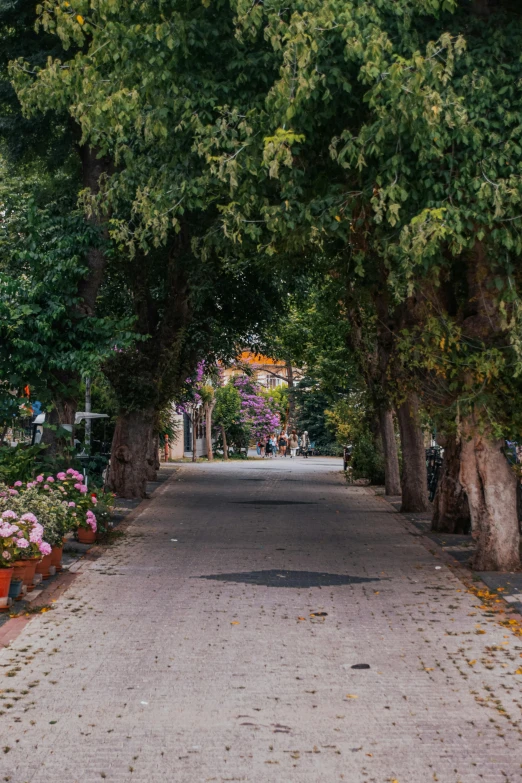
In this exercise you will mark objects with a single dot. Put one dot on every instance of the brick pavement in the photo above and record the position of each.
(146, 672)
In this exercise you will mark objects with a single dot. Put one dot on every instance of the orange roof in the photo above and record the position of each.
(254, 358)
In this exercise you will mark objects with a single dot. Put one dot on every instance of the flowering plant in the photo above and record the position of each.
(74, 492)
(62, 502)
(21, 537)
(48, 507)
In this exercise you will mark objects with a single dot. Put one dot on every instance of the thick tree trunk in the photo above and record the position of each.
(451, 507)
(392, 480)
(225, 444)
(414, 483)
(130, 447)
(152, 458)
(491, 487)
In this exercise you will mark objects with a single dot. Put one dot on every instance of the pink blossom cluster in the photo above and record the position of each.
(22, 534)
(91, 521)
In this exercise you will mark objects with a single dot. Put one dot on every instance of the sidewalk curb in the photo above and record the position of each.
(61, 582)
(466, 576)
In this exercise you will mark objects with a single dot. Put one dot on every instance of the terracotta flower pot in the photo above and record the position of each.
(56, 557)
(43, 566)
(20, 567)
(5, 582)
(86, 535)
(30, 571)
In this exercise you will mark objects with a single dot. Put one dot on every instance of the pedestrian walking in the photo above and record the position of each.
(273, 443)
(282, 444)
(268, 448)
(305, 444)
(261, 448)
(293, 443)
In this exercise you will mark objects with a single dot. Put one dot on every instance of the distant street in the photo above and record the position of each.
(263, 622)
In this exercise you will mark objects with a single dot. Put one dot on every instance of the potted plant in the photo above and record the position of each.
(7, 555)
(21, 540)
(42, 502)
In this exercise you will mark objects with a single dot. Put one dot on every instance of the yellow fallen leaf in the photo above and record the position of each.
(301, 618)
(80, 19)
(45, 609)
(518, 671)
(338, 218)
(351, 696)
(235, 622)
(473, 662)
(428, 668)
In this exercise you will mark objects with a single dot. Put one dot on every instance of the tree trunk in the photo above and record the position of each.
(59, 441)
(225, 444)
(491, 487)
(392, 480)
(290, 417)
(208, 429)
(130, 446)
(195, 418)
(152, 461)
(414, 481)
(451, 507)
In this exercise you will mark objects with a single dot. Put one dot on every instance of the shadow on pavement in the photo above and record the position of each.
(282, 578)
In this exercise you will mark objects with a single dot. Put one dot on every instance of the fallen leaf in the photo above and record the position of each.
(235, 622)
(351, 696)
(301, 618)
(518, 671)
(473, 662)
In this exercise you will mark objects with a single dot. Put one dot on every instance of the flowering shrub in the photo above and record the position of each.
(61, 502)
(48, 507)
(256, 414)
(74, 492)
(21, 537)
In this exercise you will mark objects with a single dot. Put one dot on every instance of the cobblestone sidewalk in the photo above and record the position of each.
(262, 622)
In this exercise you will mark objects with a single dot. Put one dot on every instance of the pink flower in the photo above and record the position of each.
(8, 515)
(44, 548)
(50, 480)
(83, 489)
(71, 504)
(78, 486)
(18, 484)
(31, 484)
(23, 543)
(6, 555)
(71, 471)
(46, 486)
(94, 500)
(29, 517)
(36, 534)
(13, 492)
(39, 479)
(60, 476)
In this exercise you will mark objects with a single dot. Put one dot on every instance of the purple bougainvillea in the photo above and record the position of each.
(256, 413)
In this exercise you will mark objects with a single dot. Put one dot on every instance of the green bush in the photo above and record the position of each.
(367, 460)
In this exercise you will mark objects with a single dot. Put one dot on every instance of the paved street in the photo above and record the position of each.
(263, 622)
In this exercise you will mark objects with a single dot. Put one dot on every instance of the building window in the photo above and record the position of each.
(272, 382)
